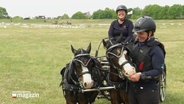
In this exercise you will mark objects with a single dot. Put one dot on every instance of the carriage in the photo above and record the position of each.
(103, 91)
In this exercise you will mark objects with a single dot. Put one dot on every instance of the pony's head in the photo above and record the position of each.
(82, 64)
(118, 58)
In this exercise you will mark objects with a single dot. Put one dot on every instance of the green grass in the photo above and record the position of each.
(31, 58)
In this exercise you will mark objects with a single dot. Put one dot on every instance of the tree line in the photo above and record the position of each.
(175, 11)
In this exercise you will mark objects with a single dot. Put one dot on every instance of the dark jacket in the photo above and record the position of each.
(148, 58)
(117, 29)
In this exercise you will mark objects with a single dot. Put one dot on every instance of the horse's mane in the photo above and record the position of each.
(67, 71)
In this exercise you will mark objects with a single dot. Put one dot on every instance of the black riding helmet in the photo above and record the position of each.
(143, 24)
(121, 7)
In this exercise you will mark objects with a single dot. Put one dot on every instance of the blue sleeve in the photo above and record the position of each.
(110, 34)
(157, 55)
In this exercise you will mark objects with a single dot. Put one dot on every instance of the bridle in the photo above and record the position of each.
(117, 55)
(77, 58)
(89, 62)
(83, 62)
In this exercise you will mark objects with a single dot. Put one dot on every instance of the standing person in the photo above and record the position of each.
(148, 55)
(121, 26)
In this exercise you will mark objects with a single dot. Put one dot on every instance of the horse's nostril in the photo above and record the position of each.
(85, 84)
(126, 74)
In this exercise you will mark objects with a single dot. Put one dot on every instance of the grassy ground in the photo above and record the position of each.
(31, 57)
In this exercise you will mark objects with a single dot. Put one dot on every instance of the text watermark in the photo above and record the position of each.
(24, 94)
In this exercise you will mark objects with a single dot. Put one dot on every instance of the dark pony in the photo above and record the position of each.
(120, 69)
(83, 72)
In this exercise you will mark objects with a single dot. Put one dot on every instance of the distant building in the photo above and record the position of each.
(87, 14)
(27, 18)
(41, 17)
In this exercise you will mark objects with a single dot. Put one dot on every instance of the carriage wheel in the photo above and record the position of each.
(162, 85)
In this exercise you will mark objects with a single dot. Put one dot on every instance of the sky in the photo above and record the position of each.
(54, 8)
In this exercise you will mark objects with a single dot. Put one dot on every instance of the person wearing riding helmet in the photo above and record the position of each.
(147, 54)
(121, 26)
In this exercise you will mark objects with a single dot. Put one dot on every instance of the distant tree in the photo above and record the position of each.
(164, 12)
(109, 14)
(64, 16)
(79, 15)
(136, 13)
(3, 13)
(104, 14)
(158, 12)
(155, 10)
(17, 17)
(176, 11)
(152, 10)
(182, 12)
(97, 14)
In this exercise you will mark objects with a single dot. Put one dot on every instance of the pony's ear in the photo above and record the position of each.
(89, 48)
(73, 50)
(104, 43)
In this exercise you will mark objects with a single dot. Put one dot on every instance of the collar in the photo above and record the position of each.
(123, 21)
(146, 42)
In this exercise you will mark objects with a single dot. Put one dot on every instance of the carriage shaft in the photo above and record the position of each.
(98, 89)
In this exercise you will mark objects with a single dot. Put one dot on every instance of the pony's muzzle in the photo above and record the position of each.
(130, 71)
(88, 85)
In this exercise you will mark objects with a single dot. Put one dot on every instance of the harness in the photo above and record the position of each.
(120, 84)
(142, 58)
(68, 82)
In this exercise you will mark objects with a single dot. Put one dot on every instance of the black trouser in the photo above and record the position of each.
(140, 95)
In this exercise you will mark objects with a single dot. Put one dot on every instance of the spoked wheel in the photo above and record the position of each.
(162, 86)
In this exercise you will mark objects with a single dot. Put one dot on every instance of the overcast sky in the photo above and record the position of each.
(54, 8)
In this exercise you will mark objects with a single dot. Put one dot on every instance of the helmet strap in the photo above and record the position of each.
(149, 35)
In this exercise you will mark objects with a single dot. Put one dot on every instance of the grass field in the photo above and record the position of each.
(32, 55)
